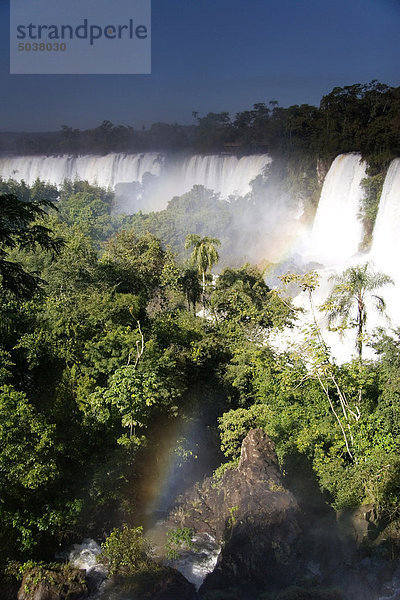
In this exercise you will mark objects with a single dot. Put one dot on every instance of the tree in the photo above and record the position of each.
(27, 448)
(321, 366)
(126, 551)
(244, 302)
(20, 229)
(214, 130)
(134, 263)
(150, 383)
(190, 284)
(204, 255)
(350, 297)
(131, 393)
(87, 207)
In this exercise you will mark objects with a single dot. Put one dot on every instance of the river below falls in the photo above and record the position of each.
(194, 564)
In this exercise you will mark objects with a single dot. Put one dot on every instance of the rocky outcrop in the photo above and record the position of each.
(285, 544)
(66, 583)
(322, 170)
(359, 525)
(253, 515)
(53, 584)
(159, 583)
(171, 585)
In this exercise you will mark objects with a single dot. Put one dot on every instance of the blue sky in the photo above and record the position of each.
(216, 55)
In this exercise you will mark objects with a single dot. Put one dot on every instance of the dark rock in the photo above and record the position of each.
(253, 515)
(360, 525)
(8, 590)
(276, 544)
(160, 583)
(64, 583)
(171, 586)
(300, 593)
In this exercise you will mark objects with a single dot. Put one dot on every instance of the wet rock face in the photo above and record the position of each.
(257, 454)
(164, 584)
(252, 514)
(46, 584)
(360, 525)
(172, 585)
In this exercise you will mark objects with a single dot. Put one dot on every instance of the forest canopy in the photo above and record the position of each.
(356, 118)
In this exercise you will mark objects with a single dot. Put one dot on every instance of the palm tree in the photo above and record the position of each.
(350, 296)
(189, 281)
(204, 256)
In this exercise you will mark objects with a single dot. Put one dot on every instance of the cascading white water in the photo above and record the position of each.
(386, 239)
(334, 241)
(85, 556)
(335, 238)
(195, 565)
(224, 174)
(337, 231)
(385, 247)
(105, 171)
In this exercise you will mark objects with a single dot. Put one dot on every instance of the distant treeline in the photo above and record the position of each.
(361, 117)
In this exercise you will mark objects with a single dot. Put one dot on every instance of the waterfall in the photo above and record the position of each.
(128, 174)
(85, 556)
(337, 231)
(333, 242)
(196, 564)
(225, 175)
(386, 238)
(105, 171)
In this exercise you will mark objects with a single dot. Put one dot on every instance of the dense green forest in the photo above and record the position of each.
(103, 344)
(113, 329)
(361, 118)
